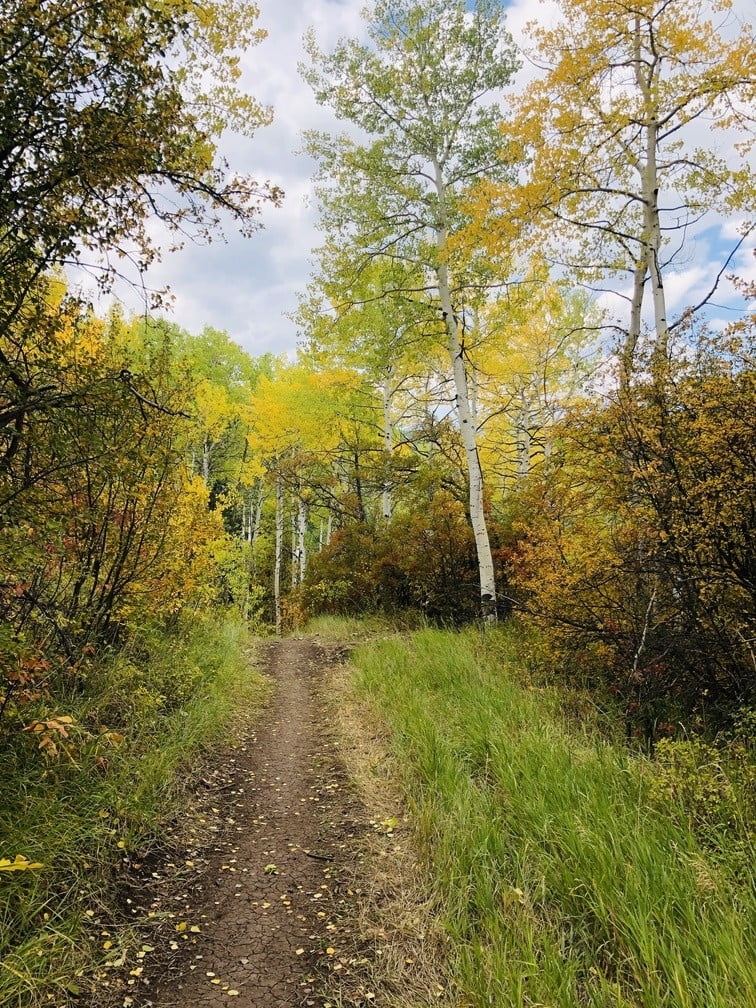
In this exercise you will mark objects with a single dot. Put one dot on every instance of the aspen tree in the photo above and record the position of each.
(418, 93)
(630, 139)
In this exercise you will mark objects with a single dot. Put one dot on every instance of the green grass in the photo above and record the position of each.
(561, 885)
(351, 628)
(81, 812)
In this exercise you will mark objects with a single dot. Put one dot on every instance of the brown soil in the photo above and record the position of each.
(280, 889)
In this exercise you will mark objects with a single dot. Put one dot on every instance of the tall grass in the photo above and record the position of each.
(81, 813)
(561, 885)
(354, 628)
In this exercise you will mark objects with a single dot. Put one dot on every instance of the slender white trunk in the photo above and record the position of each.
(206, 461)
(329, 527)
(653, 244)
(524, 441)
(279, 552)
(386, 501)
(321, 534)
(634, 329)
(645, 74)
(294, 550)
(466, 422)
(302, 540)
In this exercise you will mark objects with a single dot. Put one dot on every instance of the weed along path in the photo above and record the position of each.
(258, 925)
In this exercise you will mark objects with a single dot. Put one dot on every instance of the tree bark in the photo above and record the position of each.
(302, 539)
(279, 554)
(467, 425)
(523, 440)
(386, 499)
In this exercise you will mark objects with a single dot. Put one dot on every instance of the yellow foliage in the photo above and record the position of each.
(611, 75)
(19, 863)
(297, 409)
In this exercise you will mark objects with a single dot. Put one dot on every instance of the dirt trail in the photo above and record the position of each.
(263, 912)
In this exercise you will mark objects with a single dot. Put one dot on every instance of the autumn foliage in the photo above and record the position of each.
(105, 527)
(637, 559)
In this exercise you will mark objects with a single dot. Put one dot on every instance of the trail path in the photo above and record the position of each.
(264, 913)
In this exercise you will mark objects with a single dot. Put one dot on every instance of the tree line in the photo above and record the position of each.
(468, 430)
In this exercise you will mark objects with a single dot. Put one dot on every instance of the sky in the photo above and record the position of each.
(246, 286)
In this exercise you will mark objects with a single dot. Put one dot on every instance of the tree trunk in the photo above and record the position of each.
(302, 540)
(386, 501)
(279, 553)
(255, 530)
(294, 550)
(467, 425)
(206, 461)
(523, 441)
(645, 75)
(361, 513)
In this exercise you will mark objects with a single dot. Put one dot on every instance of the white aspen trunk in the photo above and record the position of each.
(524, 441)
(294, 550)
(279, 553)
(321, 534)
(302, 540)
(386, 500)
(206, 461)
(472, 385)
(545, 422)
(467, 426)
(634, 329)
(653, 245)
(254, 531)
(329, 527)
(645, 73)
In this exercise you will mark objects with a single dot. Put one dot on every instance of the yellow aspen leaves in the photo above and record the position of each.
(19, 863)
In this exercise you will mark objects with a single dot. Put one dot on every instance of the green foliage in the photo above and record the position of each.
(104, 797)
(559, 880)
(77, 184)
(713, 789)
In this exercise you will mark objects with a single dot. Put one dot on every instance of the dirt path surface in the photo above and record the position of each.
(254, 925)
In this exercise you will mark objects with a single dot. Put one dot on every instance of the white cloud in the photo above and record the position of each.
(247, 286)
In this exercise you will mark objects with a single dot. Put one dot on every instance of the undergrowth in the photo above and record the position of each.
(86, 810)
(565, 881)
(353, 628)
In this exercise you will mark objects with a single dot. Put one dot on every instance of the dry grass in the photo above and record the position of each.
(397, 937)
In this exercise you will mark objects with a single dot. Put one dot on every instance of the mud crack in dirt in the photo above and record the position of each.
(264, 914)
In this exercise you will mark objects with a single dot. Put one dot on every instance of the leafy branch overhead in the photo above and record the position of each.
(110, 115)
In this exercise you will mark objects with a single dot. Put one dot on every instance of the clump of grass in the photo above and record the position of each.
(563, 885)
(83, 812)
(350, 628)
